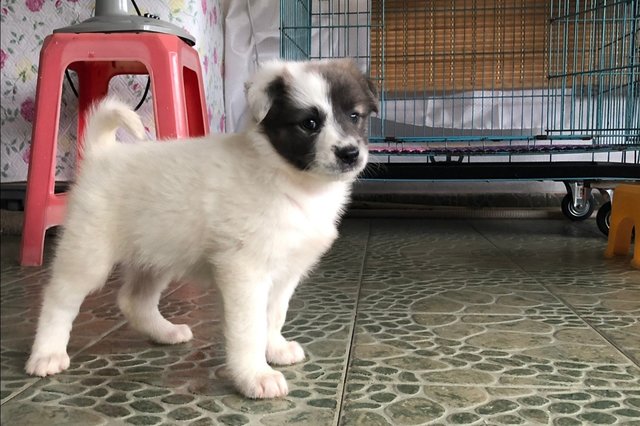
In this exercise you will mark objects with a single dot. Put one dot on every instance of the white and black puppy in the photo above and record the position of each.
(251, 212)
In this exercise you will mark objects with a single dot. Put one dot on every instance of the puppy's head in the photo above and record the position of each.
(314, 114)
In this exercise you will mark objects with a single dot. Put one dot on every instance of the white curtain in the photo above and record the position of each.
(251, 37)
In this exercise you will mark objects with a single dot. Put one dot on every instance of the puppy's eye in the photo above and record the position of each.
(354, 117)
(310, 124)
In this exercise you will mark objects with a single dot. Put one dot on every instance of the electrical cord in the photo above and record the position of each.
(147, 87)
(135, 6)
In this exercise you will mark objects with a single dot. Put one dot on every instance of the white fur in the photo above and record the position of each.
(226, 209)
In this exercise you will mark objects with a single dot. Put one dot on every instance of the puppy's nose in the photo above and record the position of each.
(347, 154)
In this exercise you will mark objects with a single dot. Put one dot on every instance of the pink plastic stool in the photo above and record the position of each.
(178, 105)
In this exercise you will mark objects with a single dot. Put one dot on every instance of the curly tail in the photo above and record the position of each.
(104, 119)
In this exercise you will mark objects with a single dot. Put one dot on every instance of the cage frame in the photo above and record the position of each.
(545, 155)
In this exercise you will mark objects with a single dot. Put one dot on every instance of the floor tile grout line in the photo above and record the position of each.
(606, 338)
(369, 310)
(572, 387)
(120, 324)
(102, 336)
(479, 314)
(622, 351)
(341, 397)
(23, 389)
(554, 387)
(31, 275)
(75, 354)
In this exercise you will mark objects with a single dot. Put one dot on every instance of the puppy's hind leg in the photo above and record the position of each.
(138, 299)
(74, 275)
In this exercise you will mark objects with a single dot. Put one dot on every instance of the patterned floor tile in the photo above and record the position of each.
(515, 234)
(324, 337)
(622, 330)
(412, 404)
(318, 293)
(564, 268)
(458, 322)
(23, 291)
(439, 233)
(605, 300)
(487, 350)
(99, 316)
(605, 276)
(14, 354)
(187, 400)
(421, 249)
(557, 249)
(14, 275)
(193, 304)
(18, 330)
(125, 378)
(452, 293)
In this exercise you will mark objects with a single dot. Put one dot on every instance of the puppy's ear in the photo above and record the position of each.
(258, 100)
(262, 88)
(351, 65)
(373, 94)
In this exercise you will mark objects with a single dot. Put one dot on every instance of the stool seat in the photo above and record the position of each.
(625, 214)
(178, 104)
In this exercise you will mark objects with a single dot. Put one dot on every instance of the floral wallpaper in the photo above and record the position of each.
(25, 24)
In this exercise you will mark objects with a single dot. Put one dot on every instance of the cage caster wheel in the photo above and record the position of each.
(603, 218)
(577, 214)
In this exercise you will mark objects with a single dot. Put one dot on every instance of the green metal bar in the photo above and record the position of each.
(633, 87)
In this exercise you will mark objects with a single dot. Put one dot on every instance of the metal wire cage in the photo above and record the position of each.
(549, 83)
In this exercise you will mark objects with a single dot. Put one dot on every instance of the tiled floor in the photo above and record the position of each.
(406, 321)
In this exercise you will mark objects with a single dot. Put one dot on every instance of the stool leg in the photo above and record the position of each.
(42, 163)
(196, 108)
(619, 235)
(196, 103)
(168, 99)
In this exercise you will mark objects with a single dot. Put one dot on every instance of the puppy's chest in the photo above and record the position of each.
(309, 223)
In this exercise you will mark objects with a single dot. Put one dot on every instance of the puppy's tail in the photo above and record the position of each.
(105, 118)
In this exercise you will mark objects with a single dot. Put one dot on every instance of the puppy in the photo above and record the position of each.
(251, 212)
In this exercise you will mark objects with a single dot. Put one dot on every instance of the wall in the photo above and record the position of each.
(25, 23)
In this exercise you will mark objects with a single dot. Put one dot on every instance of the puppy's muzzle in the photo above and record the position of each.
(347, 154)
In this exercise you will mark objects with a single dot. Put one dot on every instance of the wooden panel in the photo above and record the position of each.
(435, 46)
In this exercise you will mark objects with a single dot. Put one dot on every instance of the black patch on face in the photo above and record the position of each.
(284, 127)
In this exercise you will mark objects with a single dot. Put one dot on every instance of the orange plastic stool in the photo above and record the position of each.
(625, 214)
(178, 104)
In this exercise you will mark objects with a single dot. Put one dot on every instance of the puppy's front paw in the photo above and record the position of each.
(45, 364)
(266, 384)
(173, 334)
(285, 353)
